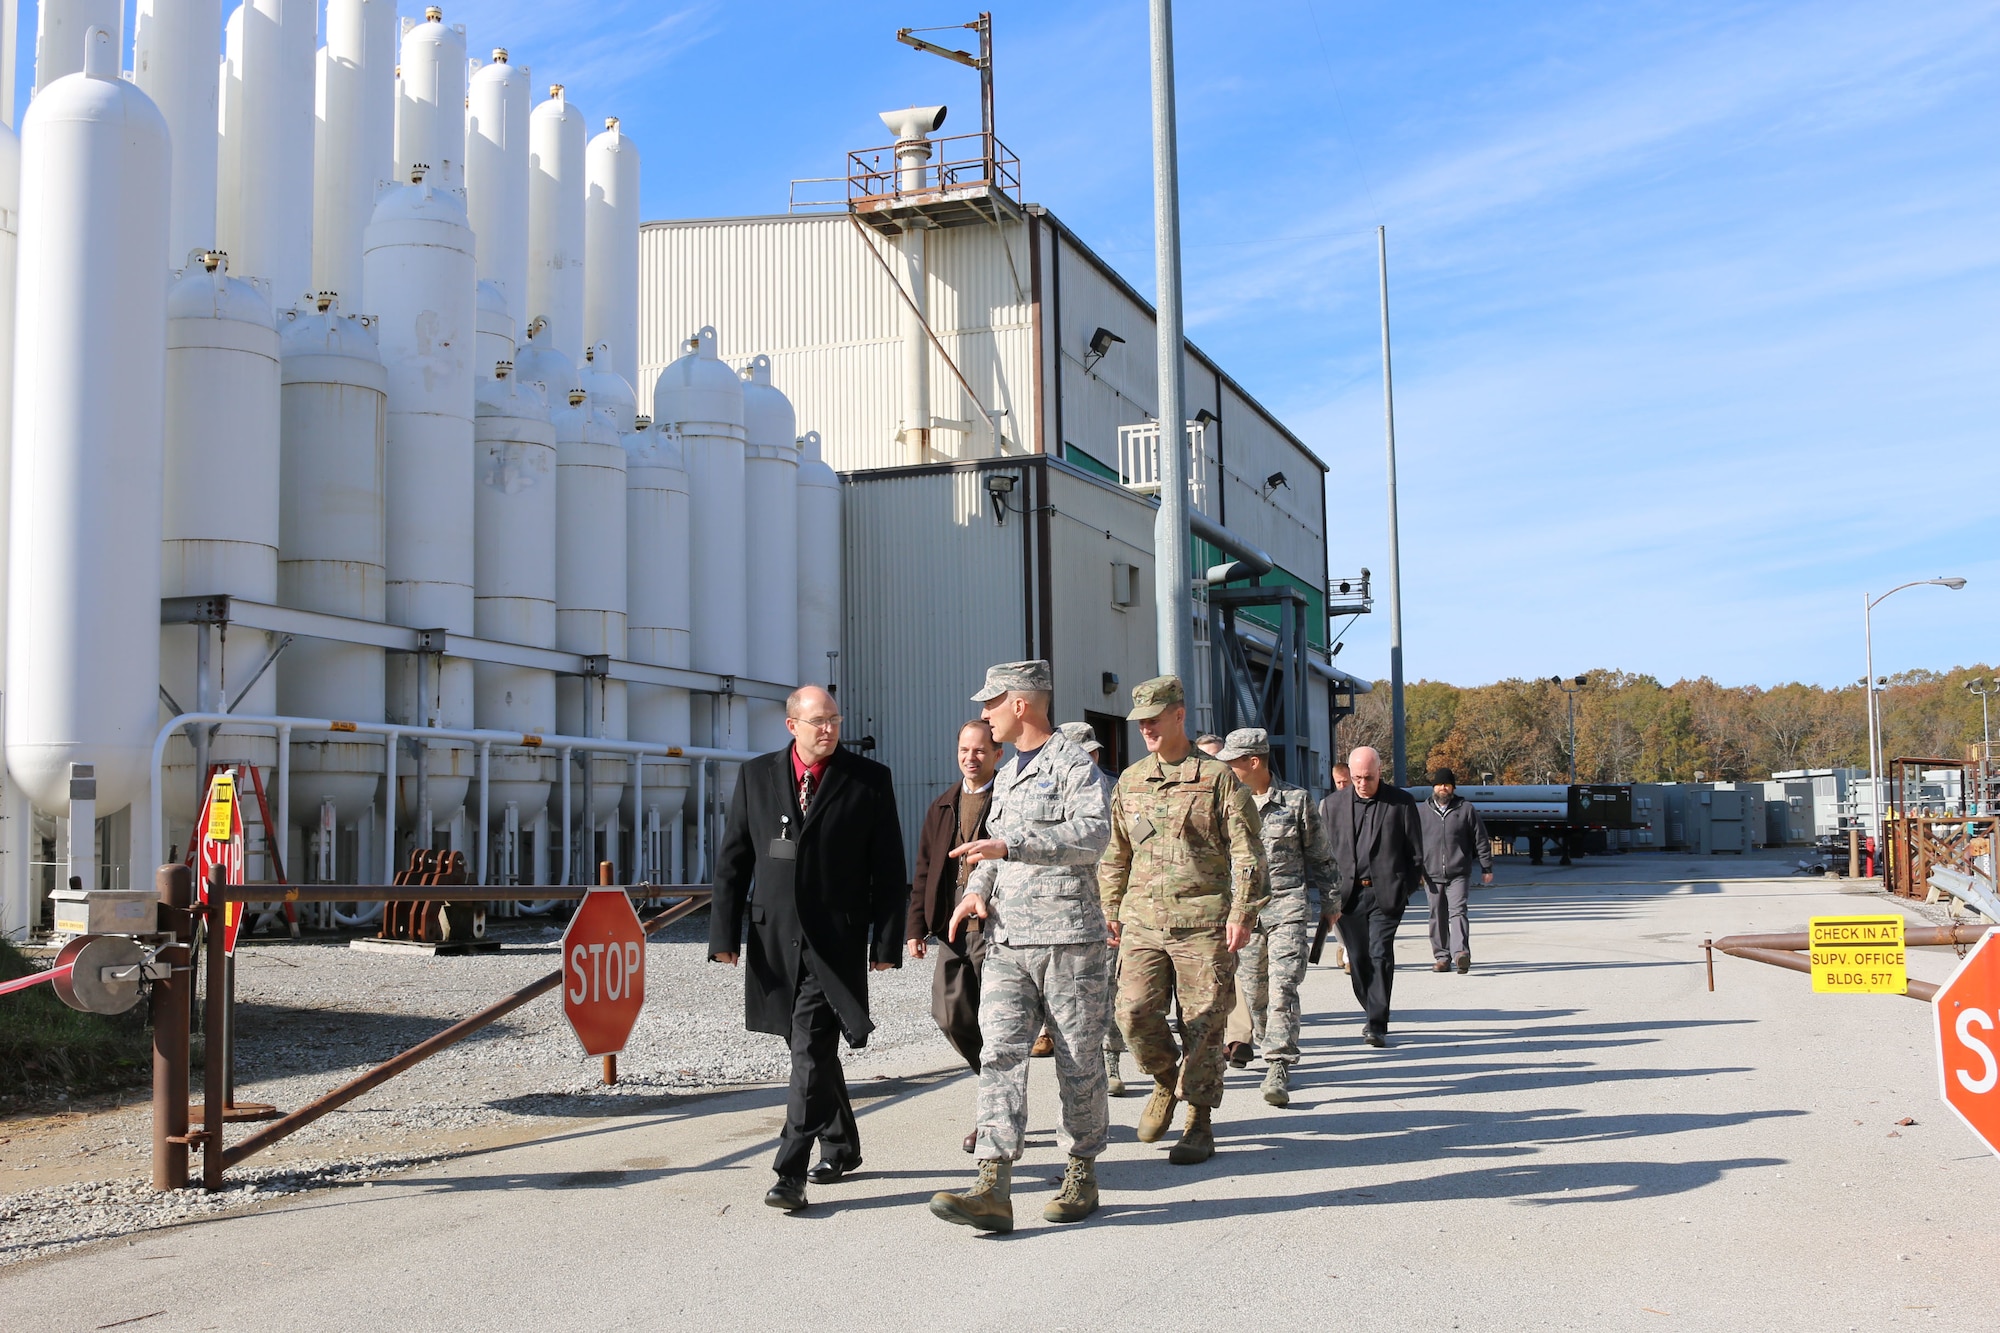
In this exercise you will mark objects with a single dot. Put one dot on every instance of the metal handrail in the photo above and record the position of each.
(999, 170)
(283, 727)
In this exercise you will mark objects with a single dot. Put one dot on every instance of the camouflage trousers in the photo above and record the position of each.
(1114, 1036)
(1153, 966)
(1268, 974)
(1021, 988)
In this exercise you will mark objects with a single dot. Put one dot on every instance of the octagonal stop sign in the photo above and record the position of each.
(1967, 1013)
(604, 971)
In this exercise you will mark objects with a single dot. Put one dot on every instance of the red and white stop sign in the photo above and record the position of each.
(1967, 1011)
(604, 971)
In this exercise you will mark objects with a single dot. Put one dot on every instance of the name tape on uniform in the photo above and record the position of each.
(1858, 955)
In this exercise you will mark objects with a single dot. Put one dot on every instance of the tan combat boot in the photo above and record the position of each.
(988, 1205)
(1078, 1198)
(1159, 1112)
(1278, 1085)
(1114, 1082)
(1197, 1143)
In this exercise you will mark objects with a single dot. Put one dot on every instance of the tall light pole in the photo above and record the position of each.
(1570, 689)
(1397, 730)
(1868, 606)
(1985, 689)
(1172, 578)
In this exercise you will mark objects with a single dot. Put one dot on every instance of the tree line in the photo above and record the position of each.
(1632, 728)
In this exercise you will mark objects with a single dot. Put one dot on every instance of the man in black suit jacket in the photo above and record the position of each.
(1378, 849)
(813, 828)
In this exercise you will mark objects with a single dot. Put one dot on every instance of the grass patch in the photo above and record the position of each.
(47, 1047)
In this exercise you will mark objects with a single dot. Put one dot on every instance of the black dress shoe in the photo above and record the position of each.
(1374, 1038)
(971, 1141)
(789, 1194)
(1238, 1054)
(830, 1173)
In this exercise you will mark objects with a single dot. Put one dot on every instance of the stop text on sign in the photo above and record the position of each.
(603, 972)
(1859, 955)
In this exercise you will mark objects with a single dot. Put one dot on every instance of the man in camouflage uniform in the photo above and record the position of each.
(1114, 1040)
(1046, 962)
(1301, 876)
(1182, 881)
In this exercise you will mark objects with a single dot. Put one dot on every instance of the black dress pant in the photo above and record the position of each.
(1369, 935)
(817, 1109)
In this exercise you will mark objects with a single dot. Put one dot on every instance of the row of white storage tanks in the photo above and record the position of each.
(420, 435)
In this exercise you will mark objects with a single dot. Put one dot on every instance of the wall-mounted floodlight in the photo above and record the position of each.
(1273, 482)
(1100, 342)
(999, 486)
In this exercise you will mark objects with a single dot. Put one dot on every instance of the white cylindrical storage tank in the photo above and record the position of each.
(264, 203)
(220, 512)
(819, 567)
(496, 178)
(555, 222)
(330, 555)
(417, 265)
(656, 622)
(514, 572)
(354, 143)
(18, 910)
(173, 62)
(60, 26)
(771, 545)
(430, 109)
(83, 668)
(590, 581)
(701, 399)
(493, 341)
(611, 249)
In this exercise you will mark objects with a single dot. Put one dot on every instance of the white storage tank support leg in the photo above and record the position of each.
(173, 62)
(354, 144)
(555, 221)
(819, 567)
(771, 509)
(83, 667)
(331, 556)
(590, 579)
(611, 249)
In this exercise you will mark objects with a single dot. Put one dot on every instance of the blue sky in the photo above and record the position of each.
(1694, 303)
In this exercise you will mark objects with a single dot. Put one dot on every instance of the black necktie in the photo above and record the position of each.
(805, 791)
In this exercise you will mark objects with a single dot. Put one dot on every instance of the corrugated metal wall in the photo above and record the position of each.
(933, 596)
(805, 291)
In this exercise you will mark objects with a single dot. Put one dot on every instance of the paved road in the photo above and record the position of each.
(1577, 1135)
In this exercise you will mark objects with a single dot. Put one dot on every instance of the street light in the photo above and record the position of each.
(1985, 689)
(1570, 689)
(1868, 606)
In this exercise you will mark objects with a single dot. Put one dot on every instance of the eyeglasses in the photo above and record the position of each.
(819, 723)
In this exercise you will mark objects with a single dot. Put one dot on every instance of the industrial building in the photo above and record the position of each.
(379, 459)
(985, 385)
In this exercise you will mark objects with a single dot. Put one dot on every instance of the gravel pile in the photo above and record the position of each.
(313, 1013)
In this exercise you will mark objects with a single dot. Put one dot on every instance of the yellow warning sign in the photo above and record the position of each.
(1859, 955)
(221, 806)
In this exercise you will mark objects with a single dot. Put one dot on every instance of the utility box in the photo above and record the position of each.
(1800, 819)
(106, 911)
(1721, 818)
(1649, 817)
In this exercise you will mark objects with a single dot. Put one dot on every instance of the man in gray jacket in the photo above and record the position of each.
(1454, 836)
(1035, 886)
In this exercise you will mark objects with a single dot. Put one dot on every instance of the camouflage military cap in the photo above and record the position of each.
(1150, 698)
(1010, 676)
(1082, 734)
(1243, 742)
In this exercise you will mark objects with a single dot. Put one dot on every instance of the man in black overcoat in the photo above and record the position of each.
(1378, 849)
(813, 854)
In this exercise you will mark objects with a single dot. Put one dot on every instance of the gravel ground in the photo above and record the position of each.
(313, 1013)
